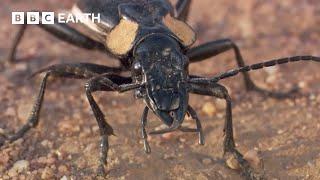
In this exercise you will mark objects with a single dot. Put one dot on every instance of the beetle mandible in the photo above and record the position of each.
(151, 39)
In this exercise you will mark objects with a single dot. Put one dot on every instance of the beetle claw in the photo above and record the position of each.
(147, 148)
(101, 171)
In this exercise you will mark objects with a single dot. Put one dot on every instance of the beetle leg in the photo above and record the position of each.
(214, 48)
(182, 9)
(105, 129)
(33, 118)
(80, 70)
(61, 31)
(103, 83)
(194, 116)
(144, 134)
(219, 91)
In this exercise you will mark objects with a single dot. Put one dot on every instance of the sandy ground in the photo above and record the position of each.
(65, 144)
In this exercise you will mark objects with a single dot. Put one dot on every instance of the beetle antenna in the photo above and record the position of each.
(257, 66)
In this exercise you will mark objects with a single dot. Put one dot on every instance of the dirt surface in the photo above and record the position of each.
(65, 144)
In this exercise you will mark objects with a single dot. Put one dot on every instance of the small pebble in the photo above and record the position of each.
(201, 177)
(232, 163)
(18, 167)
(209, 109)
(168, 136)
(47, 173)
(253, 158)
(206, 161)
(2, 132)
(64, 178)
(220, 104)
(4, 157)
(10, 112)
(280, 131)
(62, 169)
(24, 109)
(183, 140)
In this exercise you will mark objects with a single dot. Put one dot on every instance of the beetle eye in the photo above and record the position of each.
(137, 66)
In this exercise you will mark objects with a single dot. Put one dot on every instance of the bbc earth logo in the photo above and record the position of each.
(51, 18)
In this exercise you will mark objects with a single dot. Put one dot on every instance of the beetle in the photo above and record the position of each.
(151, 40)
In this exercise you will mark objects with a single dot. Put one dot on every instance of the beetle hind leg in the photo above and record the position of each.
(229, 148)
(214, 48)
(62, 31)
(199, 130)
(182, 9)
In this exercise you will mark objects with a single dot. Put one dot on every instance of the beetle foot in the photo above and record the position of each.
(147, 148)
(101, 171)
(2, 142)
(242, 164)
(3, 139)
(201, 138)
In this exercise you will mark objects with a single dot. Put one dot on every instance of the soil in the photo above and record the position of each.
(65, 144)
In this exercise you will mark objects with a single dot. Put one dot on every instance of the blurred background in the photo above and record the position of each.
(285, 133)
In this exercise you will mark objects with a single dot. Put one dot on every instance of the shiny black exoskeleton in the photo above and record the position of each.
(152, 41)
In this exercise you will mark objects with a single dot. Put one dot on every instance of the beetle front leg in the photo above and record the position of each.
(144, 134)
(105, 129)
(104, 83)
(214, 48)
(219, 91)
(194, 116)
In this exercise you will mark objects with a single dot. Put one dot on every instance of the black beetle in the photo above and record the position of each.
(152, 40)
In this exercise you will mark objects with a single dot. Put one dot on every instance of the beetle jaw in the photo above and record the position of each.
(170, 117)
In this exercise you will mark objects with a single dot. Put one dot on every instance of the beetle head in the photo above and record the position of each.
(162, 67)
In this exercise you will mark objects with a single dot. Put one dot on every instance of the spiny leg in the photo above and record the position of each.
(61, 31)
(33, 118)
(81, 71)
(219, 91)
(104, 83)
(194, 116)
(211, 49)
(105, 129)
(182, 9)
(144, 134)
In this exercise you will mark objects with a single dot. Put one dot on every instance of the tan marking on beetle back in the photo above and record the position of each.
(121, 38)
(182, 30)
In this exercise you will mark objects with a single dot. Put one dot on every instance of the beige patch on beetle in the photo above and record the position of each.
(182, 30)
(121, 38)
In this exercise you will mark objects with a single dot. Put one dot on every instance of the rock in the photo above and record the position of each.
(63, 169)
(64, 178)
(232, 163)
(24, 109)
(46, 143)
(18, 167)
(206, 161)
(201, 177)
(10, 112)
(253, 158)
(220, 104)
(209, 109)
(4, 157)
(47, 173)
(2, 132)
